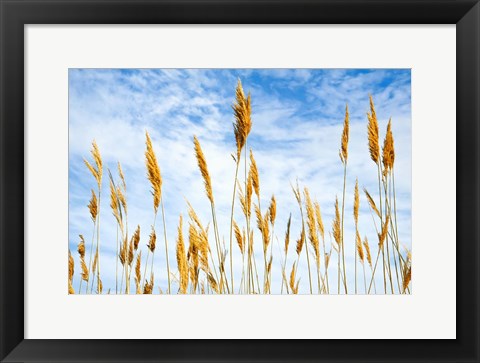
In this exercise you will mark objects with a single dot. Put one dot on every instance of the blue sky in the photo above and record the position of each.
(297, 123)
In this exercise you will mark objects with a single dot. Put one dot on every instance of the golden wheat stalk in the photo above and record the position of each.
(287, 243)
(202, 165)
(182, 259)
(374, 148)
(153, 173)
(337, 235)
(371, 202)
(373, 145)
(243, 122)
(356, 207)
(81, 252)
(388, 155)
(312, 233)
(148, 288)
(254, 173)
(321, 229)
(272, 211)
(192, 256)
(71, 271)
(138, 275)
(388, 159)
(345, 135)
(344, 159)
(252, 184)
(300, 242)
(241, 242)
(241, 129)
(115, 205)
(94, 205)
(203, 243)
(407, 272)
(155, 178)
(293, 285)
(133, 252)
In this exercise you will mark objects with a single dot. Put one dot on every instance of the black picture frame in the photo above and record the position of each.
(15, 14)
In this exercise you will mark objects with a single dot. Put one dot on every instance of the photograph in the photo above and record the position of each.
(239, 181)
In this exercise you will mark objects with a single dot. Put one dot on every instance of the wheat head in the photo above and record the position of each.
(153, 172)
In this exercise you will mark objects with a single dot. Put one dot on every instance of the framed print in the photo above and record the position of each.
(239, 181)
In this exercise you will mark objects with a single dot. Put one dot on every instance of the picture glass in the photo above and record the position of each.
(240, 181)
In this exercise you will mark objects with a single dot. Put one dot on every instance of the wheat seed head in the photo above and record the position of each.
(407, 272)
(239, 237)
(193, 239)
(287, 233)
(136, 238)
(71, 290)
(254, 173)
(383, 235)
(272, 209)
(372, 202)
(148, 288)
(114, 203)
(98, 171)
(372, 128)
(300, 241)
(81, 246)
(358, 243)
(84, 273)
(99, 286)
(182, 259)
(367, 250)
(138, 274)
(71, 266)
(356, 202)
(202, 164)
(130, 252)
(266, 230)
(243, 121)
(95, 260)
(194, 217)
(122, 199)
(153, 172)
(122, 176)
(318, 215)
(123, 253)
(203, 248)
(345, 134)
(311, 225)
(243, 201)
(388, 156)
(292, 277)
(93, 206)
(296, 192)
(337, 234)
(97, 158)
(263, 227)
(249, 193)
(152, 240)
